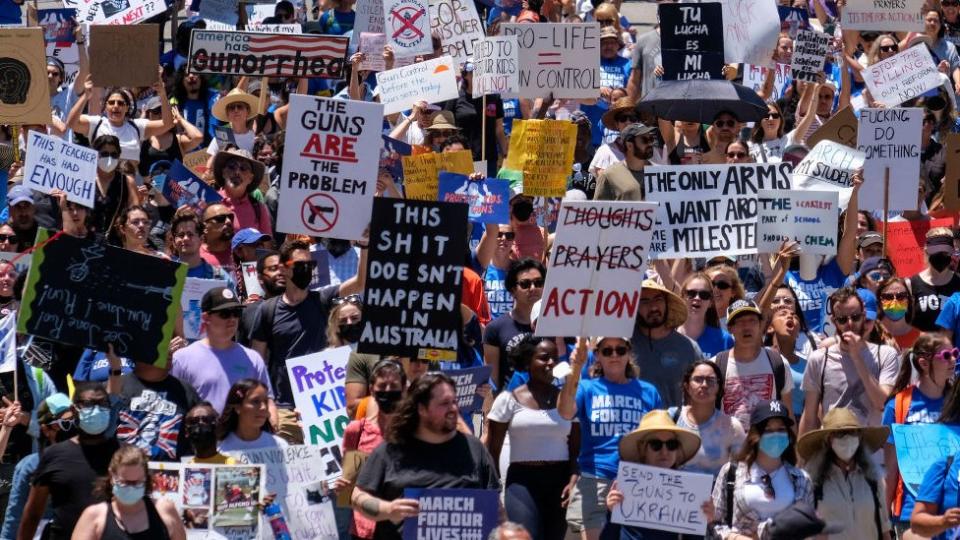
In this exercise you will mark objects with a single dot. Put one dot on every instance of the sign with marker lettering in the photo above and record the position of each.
(902, 77)
(828, 167)
(452, 513)
(691, 37)
(543, 151)
(883, 15)
(750, 30)
(809, 55)
(496, 66)
(598, 262)
(467, 381)
(53, 163)
(662, 499)
(421, 173)
(431, 81)
(890, 139)
(371, 45)
(558, 58)
(808, 217)
(317, 383)
(457, 24)
(906, 241)
(116, 12)
(275, 55)
(754, 76)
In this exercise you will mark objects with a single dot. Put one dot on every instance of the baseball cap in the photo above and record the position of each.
(770, 409)
(247, 236)
(635, 130)
(19, 194)
(741, 307)
(52, 407)
(219, 299)
(873, 263)
(798, 521)
(869, 238)
(869, 303)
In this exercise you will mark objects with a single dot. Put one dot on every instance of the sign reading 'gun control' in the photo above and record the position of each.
(273, 55)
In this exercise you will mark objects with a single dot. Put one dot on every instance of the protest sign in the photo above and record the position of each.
(87, 294)
(431, 81)
(69, 54)
(753, 77)
(124, 55)
(562, 59)
(321, 271)
(543, 151)
(8, 344)
(709, 210)
(890, 140)
(251, 281)
(368, 19)
(809, 55)
(840, 128)
(951, 180)
(496, 67)
(467, 381)
(902, 77)
(750, 30)
(258, 54)
(223, 11)
(421, 173)
(317, 382)
(295, 28)
(793, 19)
(662, 499)
(808, 217)
(457, 25)
(487, 200)
(391, 158)
(53, 163)
(407, 26)
(452, 513)
(691, 41)
(193, 291)
(182, 187)
(829, 166)
(906, 241)
(116, 12)
(594, 276)
(919, 446)
(326, 189)
(58, 25)
(25, 95)
(899, 16)
(414, 275)
(371, 45)
(196, 161)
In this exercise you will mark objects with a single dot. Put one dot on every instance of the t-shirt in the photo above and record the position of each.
(619, 183)
(720, 438)
(211, 372)
(151, 413)
(503, 333)
(244, 141)
(840, 385)
(646, 57)
(127, 134)
(940, 487)
(927, 300)
(232, 443)
(535, 434)
(714, 340)
(461, 462)
(663, 361)
(747, 384)
(360, 367)
(499, 298)
(605, 156)
(949, 318)
(607, 411)
(614, 72)
(813, 293)
(768, 151)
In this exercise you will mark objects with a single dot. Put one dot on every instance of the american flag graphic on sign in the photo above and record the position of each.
(272, 55)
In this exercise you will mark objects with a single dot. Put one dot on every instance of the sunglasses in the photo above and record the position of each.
(235, 106)
(657, 445)
(115, 155)
(527, 283)
(701, 294)
(725, 123)
(221, 219)
(507, 235)
(229, 313)
(208, 420)
(889, 296)
(878, 275)
(8, 238)
(722, 285)
(625, 118)
(947, 355)
(241, 166)
(736, 155)
(105, 403)
(844, 319)
(773, 116)
(768, 491)
(65, 424)
(889, 48)
(349, 299)
(609, 351)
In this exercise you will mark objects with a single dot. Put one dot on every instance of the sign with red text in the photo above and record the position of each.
(496, 67)
(808, 217)
(598, 262)
(433, 81)
(905, 243)
(902, 77)
(259, 55)
(407, 25)
(562, 59)
(123, 12)
(883, 15)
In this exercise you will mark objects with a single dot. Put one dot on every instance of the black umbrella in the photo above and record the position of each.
(700, 100)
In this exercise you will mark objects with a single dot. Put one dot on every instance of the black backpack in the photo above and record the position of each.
(776, 364)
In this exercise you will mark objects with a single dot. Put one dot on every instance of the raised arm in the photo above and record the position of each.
(567, 401)
(165, 124)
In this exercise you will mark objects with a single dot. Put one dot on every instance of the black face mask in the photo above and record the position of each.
(940, 261)
(202, 436)
(337, 247)
(387, 400)
(302, 274)
(523, 210)
(350, 332)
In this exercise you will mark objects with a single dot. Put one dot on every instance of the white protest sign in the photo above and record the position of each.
(809, 55)
(294, 28)
(884, 15)
(432, 81)
(890, 139)
(368, 19)
(709, 210)
(457, 24)
(753, 77)
(317, 381)
(222, 11)
(662, 499)
(828, 166)
(193, 291)
(251, 282)
(750, 30)
(407, 25)
(496, 67)
(599, 259)
(809, 217)
(53, 163)
(903, 76)
(558, 58)
(371, 45)
(115, 11)
(326, 188)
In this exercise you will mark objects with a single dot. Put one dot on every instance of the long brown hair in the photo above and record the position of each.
(712, 319)
(407, 418)
(927, 345)
(125, 456)
(231, 418)
(751, 446)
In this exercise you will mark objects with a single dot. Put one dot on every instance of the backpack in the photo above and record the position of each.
(776, 364)
(100, 122)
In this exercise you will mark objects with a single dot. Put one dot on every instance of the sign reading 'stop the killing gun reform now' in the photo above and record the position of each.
(274, 55)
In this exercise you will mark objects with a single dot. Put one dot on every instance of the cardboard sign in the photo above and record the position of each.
(223, 11)
(951, 180)
(890, 139)
(274, 55)
(829, 166)
(691, 41)
(543, 150)
(558, 58)
(25, 95)
(467, 381)
(432, 81)
(53, 163)
(905, 243)
(197, 161)
(709, 210)
(599, 259)
(181, 187)
(317, 382)
(457, 24)
(662, 499)
(496, 67)
(116, 12)
(326, 188)
(750, 30)
(840, 128)
(124, 55)
(902, 77)
(452, 513)
(421, 173)
(808, 217)
(414, 275)
(407, 25)
(900, 16)
(87, 294)
(371, 45)
(919, 446)
(809, 55)
(753, 77)
(487, 200)
(193, 291)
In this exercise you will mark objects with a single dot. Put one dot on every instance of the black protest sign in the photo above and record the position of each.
(414, 276)
(89, 294)
(691, 37)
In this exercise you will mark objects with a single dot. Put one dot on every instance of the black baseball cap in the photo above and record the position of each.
(799, 521)
(219, 299)
(770, 409)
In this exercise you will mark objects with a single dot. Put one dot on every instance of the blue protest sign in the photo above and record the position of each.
(467, 381)
(391, 157)
(919, 446)
(488, 200)
(182, 187)
(452, 513)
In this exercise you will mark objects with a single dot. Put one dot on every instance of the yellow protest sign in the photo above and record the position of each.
(543, 150)
(421, 173)
(196, 162)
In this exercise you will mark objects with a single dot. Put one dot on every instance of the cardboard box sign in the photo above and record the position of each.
(124, 55)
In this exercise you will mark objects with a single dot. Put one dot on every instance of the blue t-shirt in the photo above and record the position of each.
(796, 371)
(714, 340)
(498, 296)
(93, 366)
(336, 22)
(595, 114)
(606, 412)
(615, 72)
(949, 318)
(814, 293)
(940, 487)
(197, 112)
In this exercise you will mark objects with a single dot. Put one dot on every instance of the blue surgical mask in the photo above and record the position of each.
(94, 420)
(773, 444)
(128, 495)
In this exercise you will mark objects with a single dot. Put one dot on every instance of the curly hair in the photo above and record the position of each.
(231, 418)
(407, 418)
(521, 352)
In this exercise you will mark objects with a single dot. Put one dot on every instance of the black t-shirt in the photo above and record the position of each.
(461, 462)
(70, 470)
(151, 414)
(499, 333)
(928, 300)
(466, 115)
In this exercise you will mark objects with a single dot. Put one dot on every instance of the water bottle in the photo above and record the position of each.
(278, 524)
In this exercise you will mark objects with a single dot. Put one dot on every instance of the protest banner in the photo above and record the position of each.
(452, 513)
(543, 151)
(182, 187)
(750, 30)
(116, 12)
(792, 20)
(662, 499)
(368, 19)
(260, 55)
(902, 77)
(951, 179)
(709, 210)
(326, 189)
(840, 128)
(53, 163)
(467, 381)
(828, 166)
(407, 26)
(431, 81)
(809, 55)
(317, 382)
(906, 241)
(414, 274)
(890, 141)
(691, 41)
(58, 25)
(487, 200)
(753, 77)
(496, 67)
(562, 59)
(251, 281)
(222, 11)
(371, 45)
(919, 446)
(295, 28)
(594, 276)
(124, 55)
(421, 173)
(196, 161)
(899, 16)
(457, 25)
(88, 294)
(808, 217)
(25, 94)
(8, 344)
(193, 291)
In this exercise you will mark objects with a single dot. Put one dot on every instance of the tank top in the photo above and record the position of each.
(150, 155)
(156, 530)
(928, 300)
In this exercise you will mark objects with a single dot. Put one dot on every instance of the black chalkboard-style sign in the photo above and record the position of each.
(89, 294)
(691, 38)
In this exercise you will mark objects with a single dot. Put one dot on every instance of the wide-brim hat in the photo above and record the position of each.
(652, 422)
(623, 104)
(220, 161)
(676, 307)
(235, 96)
(442, 120)
(837, 420)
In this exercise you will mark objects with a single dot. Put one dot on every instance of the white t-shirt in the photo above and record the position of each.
(243, 140)
(750, 383)
(129, 141)
(606, 155)
(232, 443)
(535, 435)
(756, 498)
(770, 151)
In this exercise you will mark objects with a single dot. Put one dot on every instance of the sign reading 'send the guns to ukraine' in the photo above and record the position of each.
(273, 55)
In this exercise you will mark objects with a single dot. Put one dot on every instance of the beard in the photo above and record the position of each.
(442, 426)
(644, 153)
(652, 320)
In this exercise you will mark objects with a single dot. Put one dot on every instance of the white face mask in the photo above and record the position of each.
(108, 164)
(845, 447)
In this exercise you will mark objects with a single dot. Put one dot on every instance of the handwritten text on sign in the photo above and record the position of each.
(543, 150)
(662, 499)
(558, 58)
(809, 55)
(317, 382)
(905, 243)
(421, 180)
(919, 446)
(407, 25)
(107, 12)
(487, 200)
(432, 81)
(829, 166)
(899, 16)
(903, 76)
(56, 164)
(257, 54)
(890, 139)
(809, 217)
(496, 66)
(750, 30)
(457, 24)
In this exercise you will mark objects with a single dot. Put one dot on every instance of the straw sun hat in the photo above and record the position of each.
(676, 307)
(235, 96)
(840, 420)
(653, 422)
